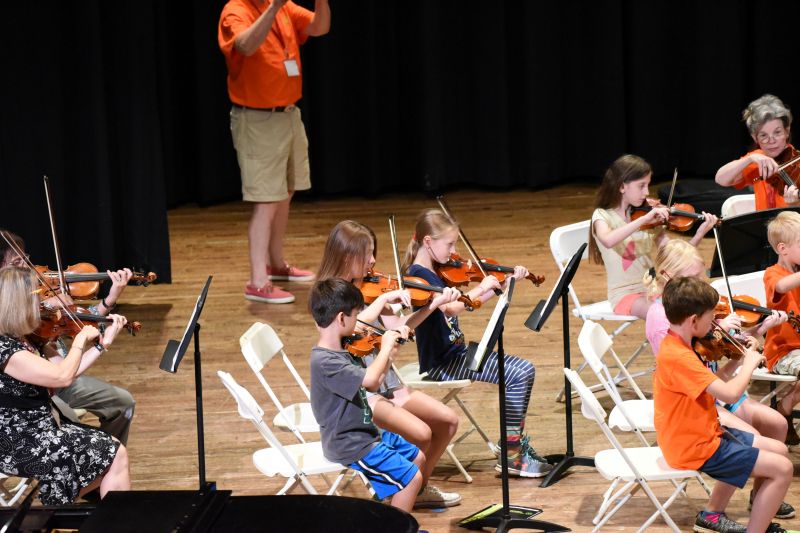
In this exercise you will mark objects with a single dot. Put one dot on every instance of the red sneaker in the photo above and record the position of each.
(268, 294)
(289, 273)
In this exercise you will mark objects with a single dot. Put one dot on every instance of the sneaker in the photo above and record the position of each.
(289, 273)
(716, 522)
(784, 511)
(776, 528)
(268, 294)
(527, 463)
(433, 497)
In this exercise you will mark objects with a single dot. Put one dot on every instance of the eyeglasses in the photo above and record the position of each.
(18, 261)
(776, 136)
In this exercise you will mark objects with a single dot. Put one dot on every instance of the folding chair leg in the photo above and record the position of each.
(290, 484)
(458, 464)
(492, 446)
(662, 509)
(336, 483)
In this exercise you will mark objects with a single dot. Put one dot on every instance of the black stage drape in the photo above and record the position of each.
(124, 105)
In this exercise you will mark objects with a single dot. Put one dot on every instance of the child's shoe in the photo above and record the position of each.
(716, 522)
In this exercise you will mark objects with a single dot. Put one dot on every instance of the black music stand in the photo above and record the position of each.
(744, 243)
(535, 322)
(506, 516)
(173, 354)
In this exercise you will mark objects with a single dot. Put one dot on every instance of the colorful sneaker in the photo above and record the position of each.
(289, 273)
(527, 463)
(433, 497)
(716, 522)
(784, 511)
(268, 294)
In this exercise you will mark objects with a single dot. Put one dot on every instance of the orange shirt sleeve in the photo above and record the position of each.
(775, 300)
(301, 18)
(231, 24)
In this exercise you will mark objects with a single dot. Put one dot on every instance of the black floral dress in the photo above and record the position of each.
(64, 459)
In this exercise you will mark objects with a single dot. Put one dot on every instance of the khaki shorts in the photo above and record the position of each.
(788, 365)
(272, 149)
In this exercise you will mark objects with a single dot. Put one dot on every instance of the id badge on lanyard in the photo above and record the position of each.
(289, 63)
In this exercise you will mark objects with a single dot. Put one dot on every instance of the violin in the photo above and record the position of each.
(363, 344)
(788, 173)
(750, 312)
(83, 279)
(718, 344)
(682, 216)
(458, 271)
(374, 284)
(56, 323)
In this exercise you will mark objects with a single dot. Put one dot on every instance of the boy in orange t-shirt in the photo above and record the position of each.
(782, 287)
(688, 430)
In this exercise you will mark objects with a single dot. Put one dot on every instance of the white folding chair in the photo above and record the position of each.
(564, 243)
(259, 345)
(637, 468)
(738, 205)
(627, 415)
(412, 378)
(295, 462)
(752, 284)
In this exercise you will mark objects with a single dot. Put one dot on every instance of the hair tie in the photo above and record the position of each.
(414, 237)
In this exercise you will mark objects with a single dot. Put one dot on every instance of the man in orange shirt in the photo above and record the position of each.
(769, 122)
(261, 42)
(687, 428)
(782, 288)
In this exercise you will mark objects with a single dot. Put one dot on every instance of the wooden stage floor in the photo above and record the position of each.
(513, 227)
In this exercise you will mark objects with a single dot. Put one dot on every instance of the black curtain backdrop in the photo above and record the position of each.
(124, 105)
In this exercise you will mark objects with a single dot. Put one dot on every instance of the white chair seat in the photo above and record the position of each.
(641, 412)
(648, 460)
(765, 375)
(308, 457)
(300, 416)
(411, 376)
(601, 311)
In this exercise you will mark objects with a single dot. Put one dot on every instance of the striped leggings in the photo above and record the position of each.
(519, 382)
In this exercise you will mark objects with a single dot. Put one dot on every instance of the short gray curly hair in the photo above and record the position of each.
(764, 109)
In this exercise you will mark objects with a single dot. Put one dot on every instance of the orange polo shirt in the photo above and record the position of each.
(780, 339)
(766, 195)
(687, 427)
(261, 80)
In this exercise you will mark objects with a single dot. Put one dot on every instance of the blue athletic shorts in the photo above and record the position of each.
(388, 465)
(735, 458)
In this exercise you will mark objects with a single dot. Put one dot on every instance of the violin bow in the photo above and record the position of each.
(43, 280)
(672, 188)
(393, 234)
(57, 250)
(724, 272)
(467, 245)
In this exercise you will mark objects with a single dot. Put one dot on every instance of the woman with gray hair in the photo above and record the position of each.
(769, 122)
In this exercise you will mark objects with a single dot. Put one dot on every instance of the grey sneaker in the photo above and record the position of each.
(723, 524)
(527, 463)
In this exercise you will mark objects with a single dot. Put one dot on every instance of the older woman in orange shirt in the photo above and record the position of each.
(769, 122)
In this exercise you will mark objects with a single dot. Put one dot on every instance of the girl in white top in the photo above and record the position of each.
(619, 242)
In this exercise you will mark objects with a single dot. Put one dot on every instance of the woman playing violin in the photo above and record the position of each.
(440, 342)
(619, 243)
(769, 123)
(113, 406)
(679, 259)
(420, 419)
(67, 460)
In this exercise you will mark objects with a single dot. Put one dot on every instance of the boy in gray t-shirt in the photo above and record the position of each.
(338, 398)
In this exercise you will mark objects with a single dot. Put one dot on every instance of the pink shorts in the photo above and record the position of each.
(626, 304)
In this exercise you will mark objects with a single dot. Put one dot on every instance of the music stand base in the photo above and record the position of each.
(514, 519)
(564, 461)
